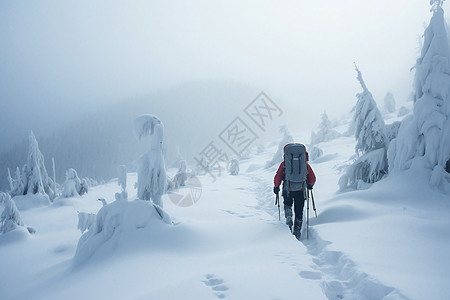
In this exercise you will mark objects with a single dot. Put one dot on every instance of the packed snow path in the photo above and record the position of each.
(338, 275)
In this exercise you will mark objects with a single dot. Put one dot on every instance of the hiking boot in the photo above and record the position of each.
(288, 215)
(297, 229)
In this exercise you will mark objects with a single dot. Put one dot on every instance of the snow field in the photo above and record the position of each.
(387, 242)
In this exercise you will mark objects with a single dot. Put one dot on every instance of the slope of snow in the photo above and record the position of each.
(387, 242)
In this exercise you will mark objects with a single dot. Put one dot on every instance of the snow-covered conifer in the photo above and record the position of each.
(325, 133)
(315, 153)
(10, 218)
(389, 103)
(371, 146)
(234, 167)
(16, 184)
(369, 125)
(34, 175)
(424, 137)
(151, 168)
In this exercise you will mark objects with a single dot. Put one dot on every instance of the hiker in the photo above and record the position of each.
(294, 184)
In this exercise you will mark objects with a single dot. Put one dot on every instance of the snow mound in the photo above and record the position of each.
(31, 201)
(122, 225)
(19, 234)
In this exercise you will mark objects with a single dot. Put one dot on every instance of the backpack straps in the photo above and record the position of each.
(292, 163)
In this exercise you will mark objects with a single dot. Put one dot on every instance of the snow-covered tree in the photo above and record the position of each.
(34, 174)
(403, 111)
(181, 176)
(122, 182)
(389, 103)
(73, 186)
(151, 168)
(278, 156)
(371, 142)
(10, 218)
(424, 138)
(15, 184)
(326, 132)
(234, 167)
(369, 125)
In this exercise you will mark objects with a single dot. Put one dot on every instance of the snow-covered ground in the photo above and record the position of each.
(388, 242)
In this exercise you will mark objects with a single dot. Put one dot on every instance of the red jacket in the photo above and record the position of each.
(279, 176)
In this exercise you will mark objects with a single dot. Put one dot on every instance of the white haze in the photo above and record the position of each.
(62, 59)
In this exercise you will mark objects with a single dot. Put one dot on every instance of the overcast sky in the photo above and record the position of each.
(61, 57)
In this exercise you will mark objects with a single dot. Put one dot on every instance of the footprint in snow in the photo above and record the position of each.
(310, 275)
(216, 284)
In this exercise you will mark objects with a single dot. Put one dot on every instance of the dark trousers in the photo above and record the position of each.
(298, 199)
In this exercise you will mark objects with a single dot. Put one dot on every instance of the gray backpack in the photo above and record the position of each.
(295, 169)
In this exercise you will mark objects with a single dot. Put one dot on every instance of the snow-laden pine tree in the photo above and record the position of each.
(423, 141)
(151, 168)
(326, 132)
(122, 179)
(34, 177)
(389, 103)
(10, 218)
(15, 184)
(371, 142)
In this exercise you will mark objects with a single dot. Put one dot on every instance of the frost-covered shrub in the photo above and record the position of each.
(10, 218)
(371, 142)
(325, 133)
(368, 168)
(151, 168)
(122, 182)
(180, 178)
(426, 134)
(314, 153)
(278, 156)
(389, 103)
(402, 111)
(122, 178)
(120, 225)
(85, 221)
(73, 186)
(392, 130)
(234, 167)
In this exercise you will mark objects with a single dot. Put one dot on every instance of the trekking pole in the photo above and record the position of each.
(307, 214)
(277, 202)
(313, 203)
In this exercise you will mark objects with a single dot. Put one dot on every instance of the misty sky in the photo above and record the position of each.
(60, 59)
